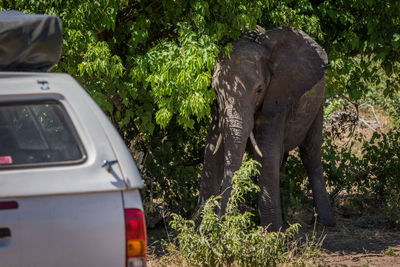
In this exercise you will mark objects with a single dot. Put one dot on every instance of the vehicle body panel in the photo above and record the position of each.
(67, 230)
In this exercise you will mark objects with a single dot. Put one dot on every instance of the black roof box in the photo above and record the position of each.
(29, 42)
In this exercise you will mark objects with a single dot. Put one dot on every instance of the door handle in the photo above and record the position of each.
(108, 164)
(5, 233)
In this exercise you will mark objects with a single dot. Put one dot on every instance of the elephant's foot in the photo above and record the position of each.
(328, 221)
(325, 214)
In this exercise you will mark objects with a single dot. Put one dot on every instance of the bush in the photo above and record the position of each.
(372, 171)
(381, 166)
(234, 239)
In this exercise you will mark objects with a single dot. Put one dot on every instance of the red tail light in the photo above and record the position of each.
(135, 232)
(8, 205)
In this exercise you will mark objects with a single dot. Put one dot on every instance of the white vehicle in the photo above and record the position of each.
(69, 188)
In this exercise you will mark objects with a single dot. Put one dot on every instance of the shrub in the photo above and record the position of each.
(372, 171)
(234, 239)
(381, 164)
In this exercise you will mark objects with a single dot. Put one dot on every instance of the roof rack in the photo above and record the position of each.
(29, 42)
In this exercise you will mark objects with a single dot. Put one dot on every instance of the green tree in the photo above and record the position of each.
(148, 64)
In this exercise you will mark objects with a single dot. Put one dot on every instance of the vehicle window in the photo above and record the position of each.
(37, 134)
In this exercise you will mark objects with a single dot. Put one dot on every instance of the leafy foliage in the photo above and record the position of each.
(233, 238)
(380, 166)
(148, 64)
(372, 171)
(171, 176)
(137, 56)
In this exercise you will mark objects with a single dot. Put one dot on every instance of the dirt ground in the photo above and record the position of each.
(349, 245)
(359, 239)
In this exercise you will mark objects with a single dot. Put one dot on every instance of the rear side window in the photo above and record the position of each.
(35, 134)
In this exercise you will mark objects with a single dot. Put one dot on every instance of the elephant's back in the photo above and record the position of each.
(302, 114)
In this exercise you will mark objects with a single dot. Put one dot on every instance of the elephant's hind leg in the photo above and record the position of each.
(310, 152)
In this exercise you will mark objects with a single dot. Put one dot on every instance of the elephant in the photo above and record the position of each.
(269, 90)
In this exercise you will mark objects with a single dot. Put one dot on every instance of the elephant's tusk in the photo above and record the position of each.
(254, 143)
(219, 141)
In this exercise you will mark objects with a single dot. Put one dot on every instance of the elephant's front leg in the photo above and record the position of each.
(213, 166)
(310, 152)
(269, 136)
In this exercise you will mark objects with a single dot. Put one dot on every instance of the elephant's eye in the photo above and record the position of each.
(259, 89)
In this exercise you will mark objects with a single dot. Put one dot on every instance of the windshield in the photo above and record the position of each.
(37, 134)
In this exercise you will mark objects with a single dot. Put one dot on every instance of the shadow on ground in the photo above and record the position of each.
(359, 239)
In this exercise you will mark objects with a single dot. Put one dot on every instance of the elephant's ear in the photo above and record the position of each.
(297, 64)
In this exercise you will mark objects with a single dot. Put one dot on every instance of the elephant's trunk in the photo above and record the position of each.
(235, 135)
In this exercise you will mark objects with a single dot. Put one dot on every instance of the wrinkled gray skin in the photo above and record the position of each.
(272, 84)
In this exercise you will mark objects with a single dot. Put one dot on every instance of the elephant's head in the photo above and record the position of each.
(266, 72)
